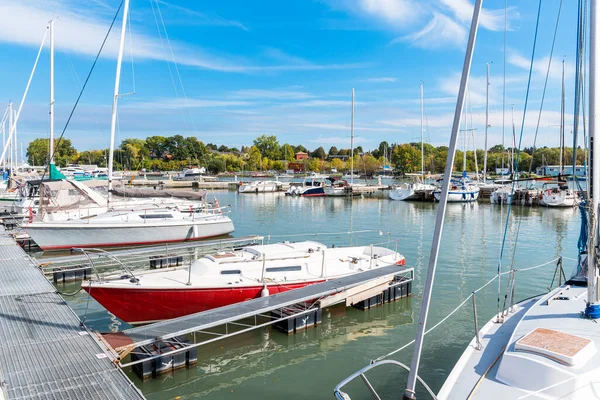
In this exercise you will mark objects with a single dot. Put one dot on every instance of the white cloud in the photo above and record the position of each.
(338, 141)
(489, 19)
(204, 19)
(382, 80)
(342, 127)
(170, 104)
(540, 66)
(81, 31)
(271, 94)
(440, 32)
(323, 103)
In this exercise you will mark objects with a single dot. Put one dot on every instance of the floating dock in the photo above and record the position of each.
(292, 310)
(44, 350)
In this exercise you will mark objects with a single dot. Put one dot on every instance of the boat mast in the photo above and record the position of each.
(592, 309)
(410, 391)
(113, 121)
(422, 145)
(51, 159)
(562, 119)
(10, 137)
(487, 120)
(352, 142)
(465, 138)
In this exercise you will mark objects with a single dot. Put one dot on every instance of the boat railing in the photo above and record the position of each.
(104, 253)
(506, 309)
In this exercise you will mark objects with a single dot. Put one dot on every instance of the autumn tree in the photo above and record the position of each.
(268, 146)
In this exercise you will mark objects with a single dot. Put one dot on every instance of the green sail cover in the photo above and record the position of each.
(55, 173)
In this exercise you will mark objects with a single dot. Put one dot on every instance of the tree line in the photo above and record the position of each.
(160, 153)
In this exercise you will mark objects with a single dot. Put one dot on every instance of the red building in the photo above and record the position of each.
(301, 156)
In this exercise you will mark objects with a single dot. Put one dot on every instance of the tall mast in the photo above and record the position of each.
(487, 120)
(10, 137)
(562, 119)
(352, 142)
(113, 121)
(15, 147)
(465, 139)
(592, 306)
(422, 146)
(410, 392)
(51, 159)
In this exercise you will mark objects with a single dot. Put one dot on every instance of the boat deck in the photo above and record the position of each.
(44, 352)
(526, 356)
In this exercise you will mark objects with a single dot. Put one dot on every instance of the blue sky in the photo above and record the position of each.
(284, 68)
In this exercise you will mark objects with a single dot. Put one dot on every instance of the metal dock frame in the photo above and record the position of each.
(44, 351)
(331, 292)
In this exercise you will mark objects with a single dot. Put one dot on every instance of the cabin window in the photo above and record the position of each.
(285, 269)
(231, 272)
(149, 216)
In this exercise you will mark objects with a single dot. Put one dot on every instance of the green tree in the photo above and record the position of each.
(406, 158)
(319, 153)
(156, 146)
(333, 151)
(254, 158)
(287, 152)
(268, 146)
(64, 152)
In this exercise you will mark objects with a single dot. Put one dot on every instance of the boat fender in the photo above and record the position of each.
(264, 292)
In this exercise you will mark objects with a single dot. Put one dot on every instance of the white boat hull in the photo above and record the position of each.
(336, 191)
(51, 236)
(460, 196)
(559, 199)
(259, 187)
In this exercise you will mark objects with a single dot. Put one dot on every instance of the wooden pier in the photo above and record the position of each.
(45, 350)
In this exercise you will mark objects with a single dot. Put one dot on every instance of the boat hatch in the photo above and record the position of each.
(562, 347)
(285, 269)
(155, 216)
(231, 272)
(221, 255)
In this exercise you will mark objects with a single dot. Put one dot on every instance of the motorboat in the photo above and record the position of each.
(130, 228)
(191, 174)
(260, 187)
(410, 190)
(229, 277)
(337, 188)
(310, 188)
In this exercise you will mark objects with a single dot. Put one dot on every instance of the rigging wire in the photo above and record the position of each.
(83, 88)
(515, 162)
(537, 127)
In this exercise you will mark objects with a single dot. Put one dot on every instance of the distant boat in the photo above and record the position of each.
(337, 188)
(311, 187)
(191, 174)
(225, 278)
(260, 187)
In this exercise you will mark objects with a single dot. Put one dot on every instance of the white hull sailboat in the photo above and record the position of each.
(224, 278)
(410, 191)
(560, 197)
(126, 228)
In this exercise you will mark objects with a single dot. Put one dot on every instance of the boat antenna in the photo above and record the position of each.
(113, 121)
(410, 391)
(592, 309)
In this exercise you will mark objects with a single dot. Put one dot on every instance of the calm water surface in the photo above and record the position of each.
(267, 364)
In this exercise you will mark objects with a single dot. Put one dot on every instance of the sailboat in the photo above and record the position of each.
(410, 191)
(559, 194)
(141, 226)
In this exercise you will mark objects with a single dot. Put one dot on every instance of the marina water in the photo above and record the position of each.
(267, 364)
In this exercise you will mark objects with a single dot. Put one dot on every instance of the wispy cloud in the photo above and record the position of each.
(171, 104)
(271, 94)
(382, 80)
(430, 24)
(343, 127)
(540, 65)
(204, 19)
(338, 141)
(439, 32)
(81, 31)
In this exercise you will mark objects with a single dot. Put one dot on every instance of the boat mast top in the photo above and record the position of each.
(410, 391)
(422, 145)
(352, 142)
(113, 121)
(562, 120)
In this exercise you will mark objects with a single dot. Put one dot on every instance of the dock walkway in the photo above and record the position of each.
(44, 352)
